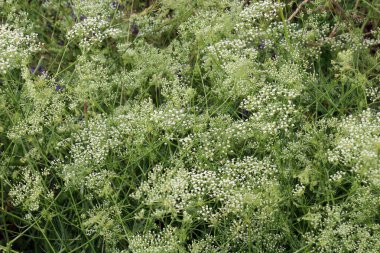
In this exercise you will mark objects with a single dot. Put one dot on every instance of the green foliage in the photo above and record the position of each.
(189, 126)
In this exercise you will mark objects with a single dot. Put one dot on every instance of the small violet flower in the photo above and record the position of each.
(59, 87)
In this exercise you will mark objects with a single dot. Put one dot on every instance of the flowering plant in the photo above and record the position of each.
(189, 126)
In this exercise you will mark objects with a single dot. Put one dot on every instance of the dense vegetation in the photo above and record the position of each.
(190, 126)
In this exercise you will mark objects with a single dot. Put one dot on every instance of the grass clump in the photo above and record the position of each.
(189, 126)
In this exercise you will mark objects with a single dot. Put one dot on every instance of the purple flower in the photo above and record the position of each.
(82, 17)
(262, 45)
(39, 69)
(59, 87)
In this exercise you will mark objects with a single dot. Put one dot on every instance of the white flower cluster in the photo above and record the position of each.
(17, 18)
(338, 176)
(94, 138)
(298, 190)
(88, 153)
(232, 50)
(236, 60)
(15, 48)
(166, 240)
(236, 64)
(206, 26)
(206, 244)
(244, 183)
(92, 8)
(211, 195)
(178, 94)
(241, 233)
(46, 106)
(99, 184)
(29, 191)
(133, 123)
(216, 142)
(265, 11)
(122, 135)
(166, 189)
(373, 94)
(288, 75)
(147, 25)
(352, 42)
(347, 227)
(32, 125)
(92, 77)
(309, 38)
(92, 31)
(172, 119)
(103, 220)
(161, 70)
(156, 22)
(357, 145)
(272, 109)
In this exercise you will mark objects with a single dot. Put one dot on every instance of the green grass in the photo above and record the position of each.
(189, 126)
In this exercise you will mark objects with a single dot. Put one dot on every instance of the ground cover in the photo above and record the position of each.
(190, 126)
